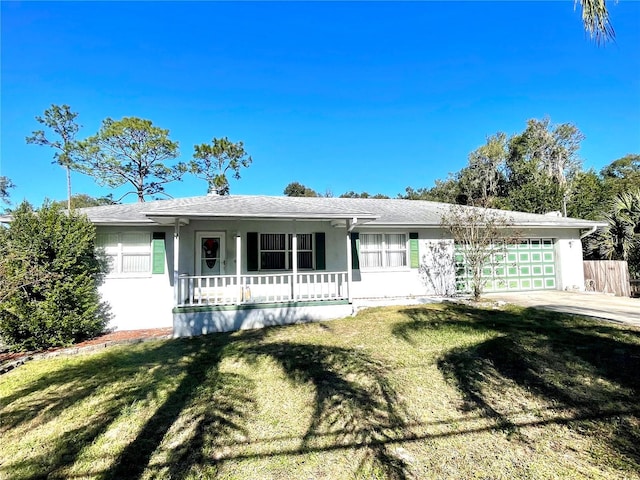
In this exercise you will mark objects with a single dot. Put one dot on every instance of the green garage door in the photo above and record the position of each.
(528, 265)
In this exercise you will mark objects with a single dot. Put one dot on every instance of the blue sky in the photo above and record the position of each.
(338, 96)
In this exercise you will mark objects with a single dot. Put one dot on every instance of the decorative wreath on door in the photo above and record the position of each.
(210, 250)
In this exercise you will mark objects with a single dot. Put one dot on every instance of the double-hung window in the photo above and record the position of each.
(128, 253)
(383, 250)
(276, 251)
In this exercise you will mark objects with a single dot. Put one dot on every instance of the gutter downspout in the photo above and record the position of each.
(588, 232)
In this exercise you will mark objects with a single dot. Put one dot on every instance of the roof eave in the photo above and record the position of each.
(132, 222)
(258, 216)
(515, 225)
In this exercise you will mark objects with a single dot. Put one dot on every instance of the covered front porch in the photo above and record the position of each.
(222, 302)
(243, 272)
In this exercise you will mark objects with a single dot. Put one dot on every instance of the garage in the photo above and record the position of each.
(529, 264)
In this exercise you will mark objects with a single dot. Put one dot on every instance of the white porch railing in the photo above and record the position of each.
(263, 288)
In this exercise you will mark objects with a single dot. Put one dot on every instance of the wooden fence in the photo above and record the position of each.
(607, 276)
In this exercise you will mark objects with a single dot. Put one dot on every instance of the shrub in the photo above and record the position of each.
(50, 276)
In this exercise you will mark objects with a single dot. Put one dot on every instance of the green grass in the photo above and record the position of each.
(440, 391)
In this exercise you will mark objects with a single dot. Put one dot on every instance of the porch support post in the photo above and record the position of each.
(239, 267)
(294, 264)
(176, 262)
(349, 270)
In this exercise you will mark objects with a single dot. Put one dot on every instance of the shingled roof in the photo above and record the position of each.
(381, 212)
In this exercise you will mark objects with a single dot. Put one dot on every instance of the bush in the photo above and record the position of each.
(50, 276)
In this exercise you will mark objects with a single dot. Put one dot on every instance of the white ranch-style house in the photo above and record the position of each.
(220, 263)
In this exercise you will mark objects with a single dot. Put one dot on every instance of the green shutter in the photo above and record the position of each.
(252, 251)
(157, 253)
(414, 253)
(355, 250)
(321, 262)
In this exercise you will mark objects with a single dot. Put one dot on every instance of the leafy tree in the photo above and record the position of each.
(62, 121)
(622, 175)
(5, 186)
(131, 151)
(480, 235)
(563, 162)
(551, 148)
(587, 196)
(211, 162)
(447, 191)
(352, 194)
(415, 194)
(541, 195)
(482, 180)
(532, 171)
(82, 200)
(51, 275)
(541, 162)
(295, 189)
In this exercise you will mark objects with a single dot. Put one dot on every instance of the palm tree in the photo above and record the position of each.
(621, 237)
(595, 18)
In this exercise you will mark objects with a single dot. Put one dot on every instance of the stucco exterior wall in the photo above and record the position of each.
(569, 262)
(434, 277)
(146, 301)
(437, 271)
(143, 300)
(139, 303)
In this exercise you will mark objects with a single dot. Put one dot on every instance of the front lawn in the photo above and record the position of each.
(438, 391)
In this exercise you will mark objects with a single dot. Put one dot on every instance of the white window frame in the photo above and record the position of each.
(119, 249)
(384, 250)
(288, 252)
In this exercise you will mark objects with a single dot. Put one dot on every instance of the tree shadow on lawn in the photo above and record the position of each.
(153, 370)
(575, 365)
(209, 403)
(584, 368)
(71, 384)
(355, 405)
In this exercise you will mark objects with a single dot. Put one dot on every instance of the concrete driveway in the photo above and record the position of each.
(617, 309)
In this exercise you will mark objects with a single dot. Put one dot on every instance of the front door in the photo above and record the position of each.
(210, 253)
